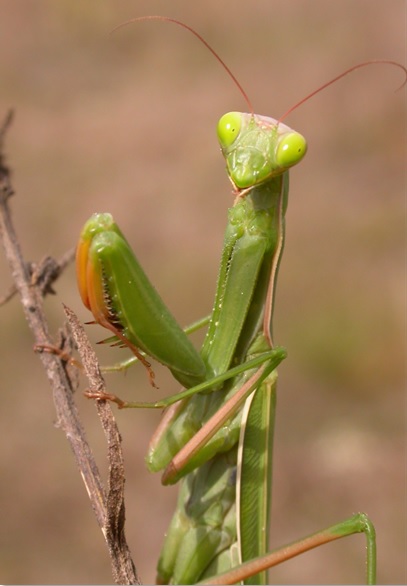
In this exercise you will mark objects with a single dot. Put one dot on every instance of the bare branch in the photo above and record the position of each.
(31, 286)
(113, 527)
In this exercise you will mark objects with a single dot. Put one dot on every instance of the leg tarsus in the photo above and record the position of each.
(102, 396)
(64, 356)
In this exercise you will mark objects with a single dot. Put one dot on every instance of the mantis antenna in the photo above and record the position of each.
(201, 39)
(237, 83)
(343, 74)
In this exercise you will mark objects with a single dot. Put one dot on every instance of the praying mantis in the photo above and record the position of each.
(215, 437)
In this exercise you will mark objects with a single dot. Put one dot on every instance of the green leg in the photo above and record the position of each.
(359, 523)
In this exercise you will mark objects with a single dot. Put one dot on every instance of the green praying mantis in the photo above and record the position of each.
(216, 435)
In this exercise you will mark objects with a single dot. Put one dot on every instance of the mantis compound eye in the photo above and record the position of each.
(229, 128)
(291, 149)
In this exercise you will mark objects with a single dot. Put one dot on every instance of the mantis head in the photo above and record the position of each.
(257, 148)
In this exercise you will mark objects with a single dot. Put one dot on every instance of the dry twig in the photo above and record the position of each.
(32, 285)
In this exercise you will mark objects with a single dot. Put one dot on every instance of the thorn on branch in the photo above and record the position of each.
(48, 271)
(43, 275)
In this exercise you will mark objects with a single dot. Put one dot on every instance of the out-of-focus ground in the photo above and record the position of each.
(128, 126)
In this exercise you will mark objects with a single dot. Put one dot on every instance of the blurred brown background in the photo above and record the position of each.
(129, 127)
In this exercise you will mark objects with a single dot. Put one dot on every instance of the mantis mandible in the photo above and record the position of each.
(215, 437)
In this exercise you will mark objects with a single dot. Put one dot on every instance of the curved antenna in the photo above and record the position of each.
(201, 39)
(343, 74)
